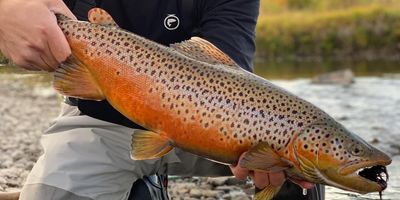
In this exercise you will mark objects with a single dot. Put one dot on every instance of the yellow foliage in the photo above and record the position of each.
(368, 29)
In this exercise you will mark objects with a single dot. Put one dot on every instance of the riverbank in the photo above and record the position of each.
(28, 104)
(367, 32)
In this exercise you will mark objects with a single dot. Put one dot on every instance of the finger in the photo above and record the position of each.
(49, 58)
(28, 59)
(57, 42)
(9, 195)
(49, 65)
(238, 172)
(261, 179)
(304, 184)
(37, 64)
(37, 58)
(277, 178)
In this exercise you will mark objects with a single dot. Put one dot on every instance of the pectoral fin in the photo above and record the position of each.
(267, 193)
(73, 79)
(149, 145)
(202, 50)
(263, 157)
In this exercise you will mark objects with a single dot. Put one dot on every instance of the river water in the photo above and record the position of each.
(370, 108)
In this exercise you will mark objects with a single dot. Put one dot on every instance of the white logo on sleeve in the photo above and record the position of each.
(171, 22)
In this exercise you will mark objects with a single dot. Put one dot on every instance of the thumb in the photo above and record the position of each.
(303, 184)
(57, 42)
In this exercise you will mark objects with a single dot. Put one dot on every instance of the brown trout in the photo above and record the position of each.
(192, 96)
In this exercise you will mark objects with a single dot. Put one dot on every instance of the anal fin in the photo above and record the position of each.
(73, 79)
(149, 145)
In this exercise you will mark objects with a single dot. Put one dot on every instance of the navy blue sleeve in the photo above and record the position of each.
(230, 25)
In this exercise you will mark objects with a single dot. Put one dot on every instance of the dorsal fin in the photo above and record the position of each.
(202, 50)
(100, 16)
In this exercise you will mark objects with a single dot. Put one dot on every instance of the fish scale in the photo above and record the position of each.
(192, 96)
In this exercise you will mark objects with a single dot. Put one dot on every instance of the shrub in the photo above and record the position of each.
(368, 32)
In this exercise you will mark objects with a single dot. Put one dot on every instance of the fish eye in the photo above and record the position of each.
(356, 150)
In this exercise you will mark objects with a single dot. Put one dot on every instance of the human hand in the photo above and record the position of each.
(9, 195)
(263, 179)
(29, 34)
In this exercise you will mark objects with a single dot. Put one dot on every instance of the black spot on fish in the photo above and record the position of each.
(108, 52)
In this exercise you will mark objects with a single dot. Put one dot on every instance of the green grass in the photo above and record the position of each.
(279, 6)
(366, 32)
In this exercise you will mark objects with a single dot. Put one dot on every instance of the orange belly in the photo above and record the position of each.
(138, 97)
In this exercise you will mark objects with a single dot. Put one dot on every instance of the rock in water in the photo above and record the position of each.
(340, 77)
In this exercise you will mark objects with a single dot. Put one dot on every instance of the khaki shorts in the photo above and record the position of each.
(86, 158)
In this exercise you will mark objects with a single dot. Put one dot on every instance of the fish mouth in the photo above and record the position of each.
(373, 175)
(377, 174)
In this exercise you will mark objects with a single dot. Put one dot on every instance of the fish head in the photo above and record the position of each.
(328, 153)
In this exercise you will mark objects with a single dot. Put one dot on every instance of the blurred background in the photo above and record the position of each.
(341, 55)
